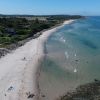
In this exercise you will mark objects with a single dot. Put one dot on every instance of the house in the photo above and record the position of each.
(10, 31)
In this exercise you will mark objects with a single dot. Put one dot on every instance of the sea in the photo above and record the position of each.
(72, 58)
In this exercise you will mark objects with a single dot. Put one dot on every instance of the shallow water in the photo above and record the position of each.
(73, 58)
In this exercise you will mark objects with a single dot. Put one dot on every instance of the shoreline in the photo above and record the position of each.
(19, 70)
(49, 33)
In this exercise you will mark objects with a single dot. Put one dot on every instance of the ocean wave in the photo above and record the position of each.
(62, 40)
(66, 54)
(75, 70)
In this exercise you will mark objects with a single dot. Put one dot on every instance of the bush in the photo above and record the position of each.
(23, 32)
(5, 40)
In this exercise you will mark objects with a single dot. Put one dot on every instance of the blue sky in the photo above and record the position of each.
(84, 7)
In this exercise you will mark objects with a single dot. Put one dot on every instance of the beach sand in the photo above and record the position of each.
(19, 70)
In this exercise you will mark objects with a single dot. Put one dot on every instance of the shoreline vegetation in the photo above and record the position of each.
(20, 69)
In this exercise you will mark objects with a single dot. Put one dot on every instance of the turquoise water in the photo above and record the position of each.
(72, 59)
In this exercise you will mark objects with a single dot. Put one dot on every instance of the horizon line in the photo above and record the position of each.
(46, 14)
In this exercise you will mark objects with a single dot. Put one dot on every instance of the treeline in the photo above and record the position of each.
(64, 17)
(13, 30)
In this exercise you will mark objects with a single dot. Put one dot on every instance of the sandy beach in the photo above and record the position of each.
(19, 69)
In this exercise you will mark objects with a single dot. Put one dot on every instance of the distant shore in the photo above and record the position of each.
(19, 70)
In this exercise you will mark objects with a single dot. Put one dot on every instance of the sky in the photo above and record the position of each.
(47, 7)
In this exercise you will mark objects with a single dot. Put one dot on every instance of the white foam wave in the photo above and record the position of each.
(66, 54)
(62, 40)
(75, 70)
(75, 55)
